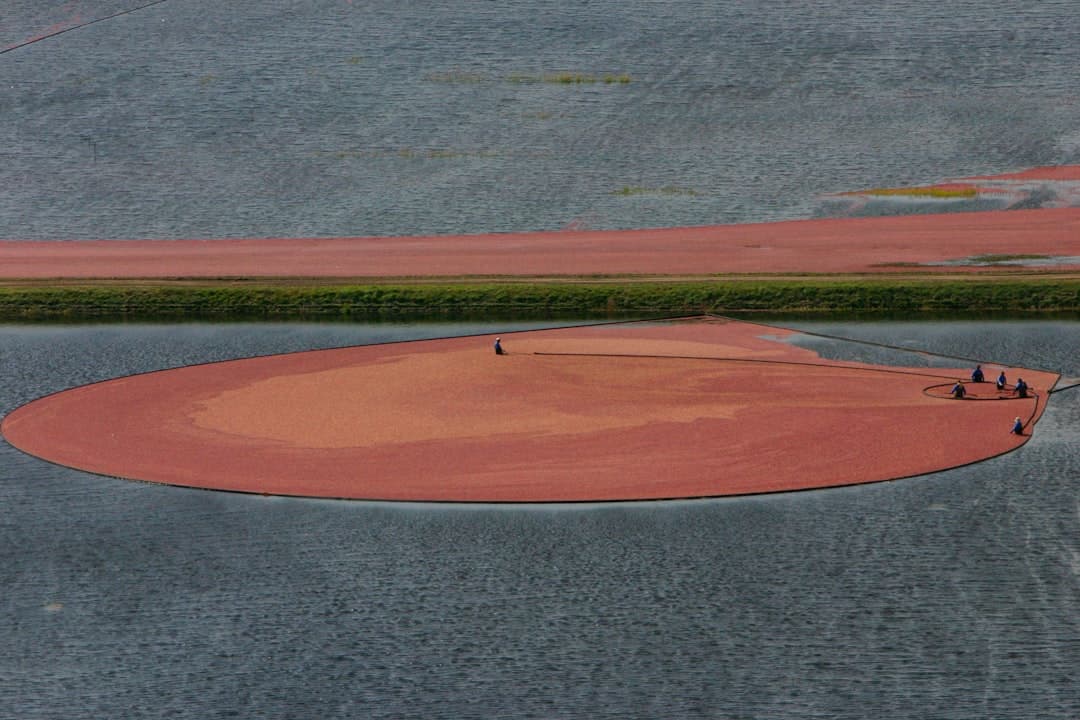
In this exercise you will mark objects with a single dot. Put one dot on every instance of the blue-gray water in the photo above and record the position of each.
(948, 596)
(194, 118)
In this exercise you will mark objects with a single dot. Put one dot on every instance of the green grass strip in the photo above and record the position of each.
(477, 299)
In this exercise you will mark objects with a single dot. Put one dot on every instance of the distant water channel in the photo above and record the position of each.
(953, 595)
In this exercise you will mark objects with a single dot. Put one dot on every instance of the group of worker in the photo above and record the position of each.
(958, 391)
(1020, 390)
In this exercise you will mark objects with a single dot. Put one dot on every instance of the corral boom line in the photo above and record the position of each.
(872, 343)
(80, 25)
(830, 366)
(894, 371)
(1067, 387)
(1034, 395)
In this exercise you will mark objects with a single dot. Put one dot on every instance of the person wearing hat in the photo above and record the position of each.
(498, 347)
(1018, 427)
(958, 390)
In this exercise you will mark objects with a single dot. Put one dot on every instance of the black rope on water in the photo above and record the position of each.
(871, 343)
(975, 361)
(835, 365)
(968, 396)
(1067, 387)
(79, 26)
(1030, 396)
(830, 366)
(1034, 411)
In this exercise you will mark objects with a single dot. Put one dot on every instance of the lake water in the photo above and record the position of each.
(372, 117)
(953, 595)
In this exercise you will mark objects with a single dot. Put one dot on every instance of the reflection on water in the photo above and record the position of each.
(949, 596)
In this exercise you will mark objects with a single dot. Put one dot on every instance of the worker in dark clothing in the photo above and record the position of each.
(977, 374)
(958, 390)
(499, 348)
(1021, 388)
(1018, 427)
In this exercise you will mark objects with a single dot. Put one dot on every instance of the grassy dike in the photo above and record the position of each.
(299, 298)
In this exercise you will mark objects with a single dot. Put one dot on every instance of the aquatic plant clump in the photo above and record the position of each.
(933, 192)
(629, 190)
(571, 78)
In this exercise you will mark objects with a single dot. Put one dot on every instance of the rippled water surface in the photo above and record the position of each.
(954, 595)
(192, 118)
